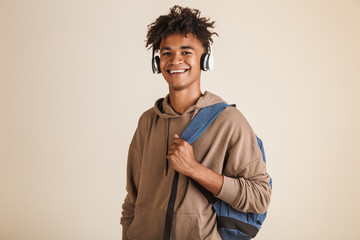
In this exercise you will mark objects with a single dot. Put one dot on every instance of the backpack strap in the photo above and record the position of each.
(201, 121)
(195, 128)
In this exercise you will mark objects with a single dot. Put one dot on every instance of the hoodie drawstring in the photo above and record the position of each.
(166, 169)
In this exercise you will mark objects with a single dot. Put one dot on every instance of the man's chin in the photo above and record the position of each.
(177, 88)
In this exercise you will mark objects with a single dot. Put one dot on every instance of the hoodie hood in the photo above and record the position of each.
(164, 109)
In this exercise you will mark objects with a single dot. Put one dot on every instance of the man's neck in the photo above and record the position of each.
(184, 99)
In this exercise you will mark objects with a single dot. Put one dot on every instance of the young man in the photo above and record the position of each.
(225, 159)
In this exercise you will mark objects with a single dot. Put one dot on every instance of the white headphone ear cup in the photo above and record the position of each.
(153, 65)
(156, 65)
(205, 62)
(211, 62)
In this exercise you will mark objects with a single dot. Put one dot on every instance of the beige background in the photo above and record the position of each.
(75, 76)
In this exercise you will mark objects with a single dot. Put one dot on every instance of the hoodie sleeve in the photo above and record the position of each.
(246, 185)
(132, 184)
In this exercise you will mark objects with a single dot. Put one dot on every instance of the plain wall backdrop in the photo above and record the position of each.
(75, 76)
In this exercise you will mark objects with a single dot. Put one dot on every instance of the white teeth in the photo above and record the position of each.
(177, 71)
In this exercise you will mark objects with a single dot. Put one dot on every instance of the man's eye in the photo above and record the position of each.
(166, 54)
(186, 53)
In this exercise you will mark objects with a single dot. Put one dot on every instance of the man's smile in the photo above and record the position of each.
(177, 71)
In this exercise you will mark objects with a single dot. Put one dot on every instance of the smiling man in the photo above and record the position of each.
(225, 160)
(180, 59)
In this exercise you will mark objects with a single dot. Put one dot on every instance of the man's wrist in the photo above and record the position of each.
(209, 179)
(194, 170)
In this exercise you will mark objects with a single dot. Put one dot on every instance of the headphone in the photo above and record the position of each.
(206, 61)
(155, 62)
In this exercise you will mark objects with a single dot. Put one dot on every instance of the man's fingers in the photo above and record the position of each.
(171, 156)
(177, 140)
(173, 151)
(173, 146)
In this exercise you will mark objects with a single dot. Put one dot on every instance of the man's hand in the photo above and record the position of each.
(181, 156)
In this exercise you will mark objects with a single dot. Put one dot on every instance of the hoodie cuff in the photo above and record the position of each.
(125, 228)
(229, 190)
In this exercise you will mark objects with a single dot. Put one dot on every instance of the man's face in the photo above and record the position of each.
(180, 61)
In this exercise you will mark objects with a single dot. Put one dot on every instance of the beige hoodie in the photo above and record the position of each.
(228, 142)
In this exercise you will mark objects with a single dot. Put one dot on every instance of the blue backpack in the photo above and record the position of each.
(232, 224)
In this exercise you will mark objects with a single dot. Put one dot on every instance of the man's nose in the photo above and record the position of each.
(177, 58)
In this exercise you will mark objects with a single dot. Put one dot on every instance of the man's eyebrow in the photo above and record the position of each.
(183, 47)
(187, 47)
(165, 48)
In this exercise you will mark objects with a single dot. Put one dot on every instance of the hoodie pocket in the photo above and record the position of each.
(146, 225)
(185, 226)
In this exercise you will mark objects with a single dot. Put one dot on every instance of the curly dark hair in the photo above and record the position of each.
(181, 20)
